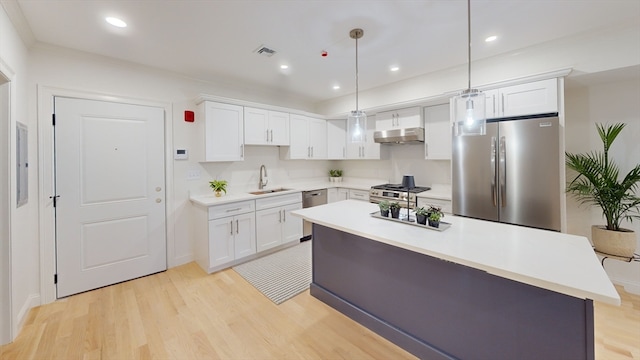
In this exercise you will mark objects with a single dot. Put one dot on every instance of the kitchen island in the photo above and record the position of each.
(478, 290)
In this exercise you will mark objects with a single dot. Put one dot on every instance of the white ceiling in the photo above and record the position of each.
(216, 39)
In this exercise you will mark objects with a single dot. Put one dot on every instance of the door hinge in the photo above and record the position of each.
(55, 198)
(53, 119)
(55, 278)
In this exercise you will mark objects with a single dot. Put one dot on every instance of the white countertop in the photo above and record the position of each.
(555, 261)
(305, 185)
(438, 191)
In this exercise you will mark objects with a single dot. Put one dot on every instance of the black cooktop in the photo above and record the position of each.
(398, 187)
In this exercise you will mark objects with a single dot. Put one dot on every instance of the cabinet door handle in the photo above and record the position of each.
(493, 98)
(237, 227)
(280, 216)
(271, 131)
(312, 151)
(267, 134)
(308, 151)
(231, 227)
(284, 215)
(234, 209)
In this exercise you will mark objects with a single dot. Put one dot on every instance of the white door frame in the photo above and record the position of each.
(46, 95)
(7, 122)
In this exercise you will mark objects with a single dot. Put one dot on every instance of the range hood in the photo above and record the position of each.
(399, 136)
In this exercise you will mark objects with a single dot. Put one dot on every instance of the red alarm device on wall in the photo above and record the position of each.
(189, 116)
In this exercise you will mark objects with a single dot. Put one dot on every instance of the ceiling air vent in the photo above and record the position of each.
(264, 51)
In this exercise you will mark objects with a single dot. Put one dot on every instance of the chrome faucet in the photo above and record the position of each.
(263, 177)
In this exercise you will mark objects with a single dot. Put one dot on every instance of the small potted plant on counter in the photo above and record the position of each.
(218, 186)
(335, 175)
(421, 215)
(395, 209)
(435, 214)
(384, 208)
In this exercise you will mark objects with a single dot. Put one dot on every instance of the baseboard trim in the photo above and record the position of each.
(32, 301)
(180, 260)
(629, 286)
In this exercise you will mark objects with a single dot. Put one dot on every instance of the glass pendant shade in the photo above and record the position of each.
(357, 126)
(470, 117)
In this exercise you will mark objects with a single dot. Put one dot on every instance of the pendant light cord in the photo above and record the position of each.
(468, 53)
(357, 73)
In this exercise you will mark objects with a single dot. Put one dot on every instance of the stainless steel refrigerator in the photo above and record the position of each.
(511, 174)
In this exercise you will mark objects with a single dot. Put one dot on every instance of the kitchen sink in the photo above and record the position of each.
(270, 191)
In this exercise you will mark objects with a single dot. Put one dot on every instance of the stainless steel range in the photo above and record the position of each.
(395, 192)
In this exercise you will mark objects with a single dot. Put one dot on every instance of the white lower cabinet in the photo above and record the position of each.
(274, 223)
(359, 194)
(231, 238)
(337, 194)
(224, 234)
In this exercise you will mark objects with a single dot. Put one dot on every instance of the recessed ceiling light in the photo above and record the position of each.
(394, 68)
(116, 22)
(491, 38)
(336, 87)
(284, 67)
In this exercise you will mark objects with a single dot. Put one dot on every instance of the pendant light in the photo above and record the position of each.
(357, 120)
(469, 110)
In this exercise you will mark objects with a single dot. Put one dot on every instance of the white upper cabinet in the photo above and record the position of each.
(222, 128)
(264, 127)
(318, 138)
(336, 139)
(307, 138)
(537, 97)
(399, 119)
(367, 150)
(437, 144)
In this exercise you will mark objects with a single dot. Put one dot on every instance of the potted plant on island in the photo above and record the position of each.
(384, 208)
(435, 214)
(421, 215)
(218, 186)
(395, 209)
(598, 183)
(335, 175)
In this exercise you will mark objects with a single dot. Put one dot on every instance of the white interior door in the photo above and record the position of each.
(109, 179)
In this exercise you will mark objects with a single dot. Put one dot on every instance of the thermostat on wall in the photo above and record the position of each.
(181, 154)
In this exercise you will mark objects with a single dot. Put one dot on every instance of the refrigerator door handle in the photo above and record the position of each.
(494, 191)
(503, 172)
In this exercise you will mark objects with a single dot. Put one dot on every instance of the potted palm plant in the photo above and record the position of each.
(598, 183)
(218, 186)
(395, 209)
(384, 208)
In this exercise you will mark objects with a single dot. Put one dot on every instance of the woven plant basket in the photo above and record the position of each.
(619, 243)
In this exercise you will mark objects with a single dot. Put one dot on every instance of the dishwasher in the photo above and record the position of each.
(310, 199)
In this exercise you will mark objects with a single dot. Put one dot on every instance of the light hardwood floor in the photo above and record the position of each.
(185, 314)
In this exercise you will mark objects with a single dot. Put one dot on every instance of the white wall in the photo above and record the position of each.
(24, 220)
(5, 211)
(55, 68)
(585, 53)
(609, 102)
(399, 160)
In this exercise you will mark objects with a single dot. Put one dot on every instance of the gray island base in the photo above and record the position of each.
(436, 309)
